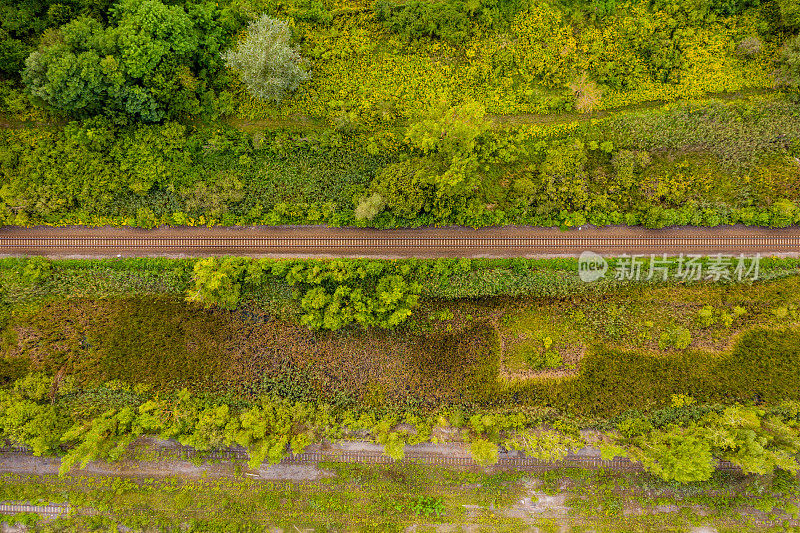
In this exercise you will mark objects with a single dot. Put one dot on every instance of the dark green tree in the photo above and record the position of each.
(140, 65)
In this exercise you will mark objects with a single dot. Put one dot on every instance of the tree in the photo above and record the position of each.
(29, 422)
(449, 131)
(386, 305)
(106, 436)
(210, 428)
(138, 66)
(586, 92)
(369, 207)
(484, 452)
(789, 63)
(21, 25)
(756, 443)
(265, 61)
(402, 187)
(790, 13)
(218, 281)
(675, 453)
(395, 299)
(448, 137)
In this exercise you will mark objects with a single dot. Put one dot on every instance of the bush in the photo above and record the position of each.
(789, 63)
(369, 207)
(448, 19)
(427, 506)
(587, 94)
(749, 46)
(545, 445)
(267, 64)
(541, 357)
(484, 452)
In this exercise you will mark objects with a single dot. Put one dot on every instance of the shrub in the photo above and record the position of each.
(37, 269)
(544, 445)
(544, 356)
(706, 316)
(484, 452)
(749, 46)
(447, 19)
(369, 207)
(678, 337)
(427, 506)
(265, 61)
(586, 92)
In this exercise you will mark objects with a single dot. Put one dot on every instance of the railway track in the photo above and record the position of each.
(52, 510)
(506, 461)
(255, 243)
(422, 242)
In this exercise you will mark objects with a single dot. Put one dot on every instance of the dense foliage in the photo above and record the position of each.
(701, 164)
(336, 293)
(396, 125)
(742, 435)
(143, 64)
(37, 412)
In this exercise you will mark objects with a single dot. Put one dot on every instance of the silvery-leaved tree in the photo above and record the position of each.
(267, 64)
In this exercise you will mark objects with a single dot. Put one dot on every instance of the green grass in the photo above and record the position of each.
(762, 367)
(637, 316)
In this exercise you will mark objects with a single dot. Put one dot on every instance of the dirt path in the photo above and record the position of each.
(322, 241)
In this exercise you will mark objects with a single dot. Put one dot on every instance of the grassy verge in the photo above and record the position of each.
(391, 498)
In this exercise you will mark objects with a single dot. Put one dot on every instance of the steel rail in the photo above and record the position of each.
(12, 244)
(52, 510)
